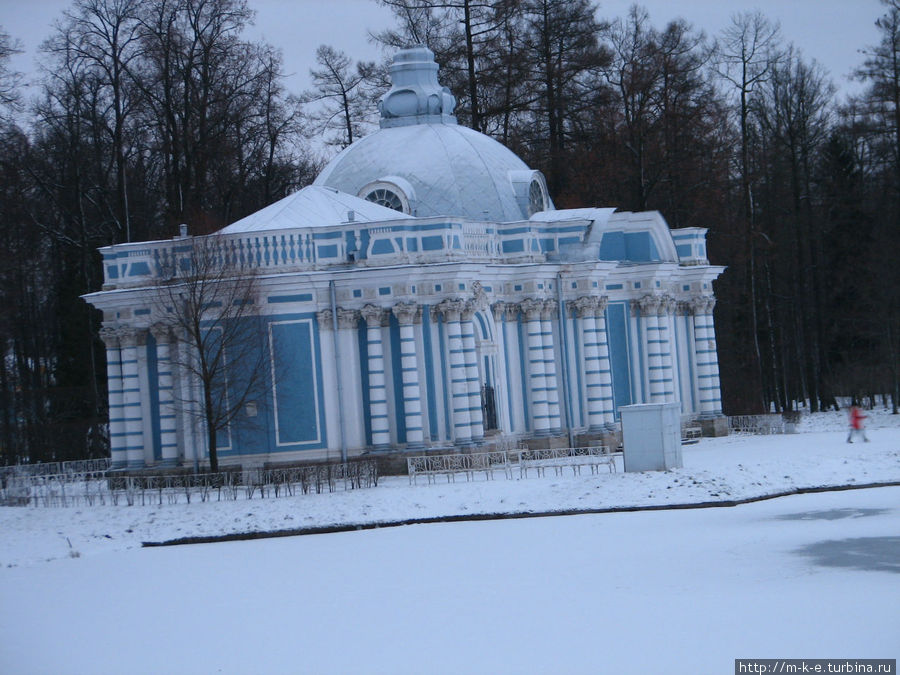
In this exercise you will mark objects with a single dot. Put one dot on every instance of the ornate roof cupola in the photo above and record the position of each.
(416, 96)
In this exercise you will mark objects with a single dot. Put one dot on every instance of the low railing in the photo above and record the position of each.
(55, 468)
(510, 463)
(111, 489)
(757, 424)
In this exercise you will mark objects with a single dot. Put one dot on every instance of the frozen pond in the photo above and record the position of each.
(811, 576)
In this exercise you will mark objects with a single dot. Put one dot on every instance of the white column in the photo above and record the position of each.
(473, 382)
(354, 429)
(649, 307)
(168, 440)
(147, 411)
(329, 385)
(606, 387)
(534, 363)
(585, 307)
(547, 314)
(117, 437)
(378, 407)
(501, 389)
(707, 359)
(666, 358)
(131, 400)
(459, 392)
(406, 314)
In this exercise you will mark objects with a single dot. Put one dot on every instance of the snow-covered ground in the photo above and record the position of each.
(811, 576)
(721, 469)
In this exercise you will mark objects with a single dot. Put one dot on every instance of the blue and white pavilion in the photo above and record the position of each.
(469, 309)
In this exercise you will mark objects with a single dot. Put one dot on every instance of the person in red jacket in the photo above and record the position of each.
(856, 424)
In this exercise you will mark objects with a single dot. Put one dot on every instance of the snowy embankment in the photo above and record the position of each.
(723, 469)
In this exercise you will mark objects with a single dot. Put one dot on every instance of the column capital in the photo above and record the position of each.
(505, 310)
(667, 305)
(649, 305)
(584, 306)
(602, 302)
(110, 337)
(702, 304)
(348, 318)
(161, 332)
(407, 313)
(548, 311)
(531, 308)
(373, 315)
(128, 336)
(450, 308)
(324, 318)
(468, 310)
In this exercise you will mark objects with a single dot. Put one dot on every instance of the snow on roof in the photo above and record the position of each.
(454, 170)
(597, 215)
(313, 206)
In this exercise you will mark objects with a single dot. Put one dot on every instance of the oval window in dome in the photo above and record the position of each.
(536, 202)
(394, 193)
(385, 197)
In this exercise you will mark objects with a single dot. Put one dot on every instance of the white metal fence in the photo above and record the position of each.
(757, 424)
(93, 488)
(510, 463)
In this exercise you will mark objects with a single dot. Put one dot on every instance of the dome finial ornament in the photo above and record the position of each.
(416, 96)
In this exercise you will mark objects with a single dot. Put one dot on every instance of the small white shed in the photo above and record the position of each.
(651, 436)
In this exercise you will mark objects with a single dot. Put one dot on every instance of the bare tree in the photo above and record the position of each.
(9, 79)
(346, 98)
(744, 59)
(210, 306)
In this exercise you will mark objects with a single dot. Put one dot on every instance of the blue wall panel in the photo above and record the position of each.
(298, 409)
(619, 357)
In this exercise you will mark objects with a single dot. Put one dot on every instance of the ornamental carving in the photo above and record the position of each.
(480, 296)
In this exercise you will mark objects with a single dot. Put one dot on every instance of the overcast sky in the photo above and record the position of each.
(830, 31)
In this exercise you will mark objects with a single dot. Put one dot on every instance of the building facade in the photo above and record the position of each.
(422, 293)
